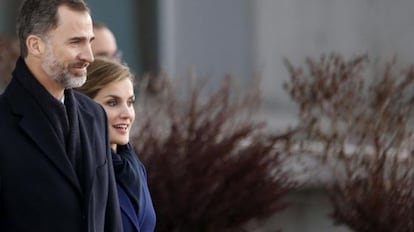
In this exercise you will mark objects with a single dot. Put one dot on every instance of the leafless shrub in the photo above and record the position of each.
(211, 166)
(363, 129)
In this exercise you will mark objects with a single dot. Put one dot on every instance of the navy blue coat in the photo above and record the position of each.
(145, 219)
(39, 189)
(129, 217)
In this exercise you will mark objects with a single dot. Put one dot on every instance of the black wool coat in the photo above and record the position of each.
(39, 189)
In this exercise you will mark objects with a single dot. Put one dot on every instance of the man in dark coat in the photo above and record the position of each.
(56, 172)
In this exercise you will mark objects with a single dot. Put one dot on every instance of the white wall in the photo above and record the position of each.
(298, 28)
(243, 37)
(211, 37)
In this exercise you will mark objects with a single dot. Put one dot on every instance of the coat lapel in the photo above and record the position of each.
(89, 146)
(126, 207)
(34, 123)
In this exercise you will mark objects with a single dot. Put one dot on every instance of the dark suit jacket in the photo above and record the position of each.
(39, 189)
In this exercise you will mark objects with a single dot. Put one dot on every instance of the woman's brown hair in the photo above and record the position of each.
(102, 72)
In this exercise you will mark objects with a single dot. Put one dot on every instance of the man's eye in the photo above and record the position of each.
(75, 41)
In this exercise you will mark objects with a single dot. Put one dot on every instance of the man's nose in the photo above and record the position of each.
(87, 54)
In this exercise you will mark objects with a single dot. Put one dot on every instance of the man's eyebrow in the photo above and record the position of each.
(80, 38)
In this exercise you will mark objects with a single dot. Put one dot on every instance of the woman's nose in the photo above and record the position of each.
(127, 111)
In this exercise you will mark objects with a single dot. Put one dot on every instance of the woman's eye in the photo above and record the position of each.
(131, 102)
(111, 103)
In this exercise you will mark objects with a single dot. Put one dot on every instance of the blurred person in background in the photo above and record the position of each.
(105, 44)
(110, 84)
(9, 52)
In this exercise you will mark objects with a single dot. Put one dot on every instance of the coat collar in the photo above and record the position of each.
(34, 122)
(89, 143)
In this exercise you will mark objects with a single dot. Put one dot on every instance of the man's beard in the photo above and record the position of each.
(68, 80)
(61, 74)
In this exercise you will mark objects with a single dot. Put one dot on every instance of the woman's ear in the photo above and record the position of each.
(35, 45)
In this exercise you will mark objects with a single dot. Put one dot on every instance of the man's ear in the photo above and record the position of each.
(35, 45)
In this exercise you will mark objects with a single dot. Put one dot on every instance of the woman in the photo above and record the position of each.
(110, 84)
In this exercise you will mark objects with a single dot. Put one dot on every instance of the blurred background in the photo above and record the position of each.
(245, 38)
